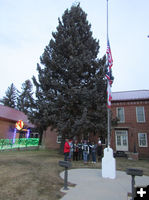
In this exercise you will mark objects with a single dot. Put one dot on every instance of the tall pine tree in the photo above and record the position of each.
(25, 101)
(71, 90)
(10, 98)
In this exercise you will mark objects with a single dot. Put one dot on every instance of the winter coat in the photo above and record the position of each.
(80, 147)
(85, 148)
(99, 150)
(66, 147)
(75, 148)
(93, 148)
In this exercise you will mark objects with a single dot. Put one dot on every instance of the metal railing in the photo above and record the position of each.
(19, 143)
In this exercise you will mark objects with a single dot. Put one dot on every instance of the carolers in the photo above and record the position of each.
(82, 150)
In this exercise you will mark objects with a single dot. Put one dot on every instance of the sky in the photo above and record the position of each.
(26, 27)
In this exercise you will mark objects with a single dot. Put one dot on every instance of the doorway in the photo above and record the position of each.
(121, 140)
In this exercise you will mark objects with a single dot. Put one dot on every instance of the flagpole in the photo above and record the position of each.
(108, 131)
(107, 21)
(108, 109)
(108, 162)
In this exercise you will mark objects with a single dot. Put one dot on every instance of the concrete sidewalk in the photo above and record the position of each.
(91, 186)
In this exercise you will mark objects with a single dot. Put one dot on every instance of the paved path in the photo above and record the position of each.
(91, 186)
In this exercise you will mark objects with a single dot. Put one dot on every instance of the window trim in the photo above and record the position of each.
(123, 114)
(121, 147)
(137, 114)
(145, 140)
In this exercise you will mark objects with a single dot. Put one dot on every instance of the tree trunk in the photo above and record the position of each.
(40, 136)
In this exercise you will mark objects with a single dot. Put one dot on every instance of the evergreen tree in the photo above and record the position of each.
(25, 101)
(71, 89)
(38, 114)
(10, 98)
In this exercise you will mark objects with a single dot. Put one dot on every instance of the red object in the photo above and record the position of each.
(109, 74)
(109, 55)
(66, 147)
(19, 125)
(109, 95)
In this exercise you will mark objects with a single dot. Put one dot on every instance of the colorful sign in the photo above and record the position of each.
(19, 125)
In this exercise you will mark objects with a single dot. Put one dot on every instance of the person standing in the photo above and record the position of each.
(66, 150)
(75, 150)
(99, 150)
(71, 149)
(80, 153)
(93, 147)
(85, 148)
(89, 154)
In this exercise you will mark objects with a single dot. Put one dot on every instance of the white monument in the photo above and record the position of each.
(108, 164)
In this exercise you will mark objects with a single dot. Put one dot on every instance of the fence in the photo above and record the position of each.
(19, 143)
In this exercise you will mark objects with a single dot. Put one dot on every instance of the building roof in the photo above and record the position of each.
(12, 114)
(130, 95)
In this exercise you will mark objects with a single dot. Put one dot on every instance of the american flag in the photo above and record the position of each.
(109, 74)
(109, 63)
(109, 94)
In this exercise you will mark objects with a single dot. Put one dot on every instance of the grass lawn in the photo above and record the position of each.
(30, 175)
(34, 175)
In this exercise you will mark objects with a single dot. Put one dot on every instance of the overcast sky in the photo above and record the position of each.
(26, 27)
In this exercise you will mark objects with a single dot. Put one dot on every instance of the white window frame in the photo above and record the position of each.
(137, 114)
(59, 138)
(121, 133)
(123, 114)
(145, 140)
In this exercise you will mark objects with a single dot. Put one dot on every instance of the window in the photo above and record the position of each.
(140, 114)
(119, 140)
(142, 139)
(59, 138)
(121, 137)
(124, 140)
(120, 114)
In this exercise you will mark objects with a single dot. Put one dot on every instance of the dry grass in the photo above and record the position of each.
(34, 175)
(31, 175)
(121, 164)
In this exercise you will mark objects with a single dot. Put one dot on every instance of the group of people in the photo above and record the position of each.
(82, 150)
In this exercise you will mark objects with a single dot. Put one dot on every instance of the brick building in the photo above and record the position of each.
(8, 119)
(132, 132)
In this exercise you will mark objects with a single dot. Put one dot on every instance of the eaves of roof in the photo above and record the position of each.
(13, 115)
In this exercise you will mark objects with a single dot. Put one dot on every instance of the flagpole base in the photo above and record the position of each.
(108, 164)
